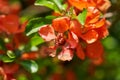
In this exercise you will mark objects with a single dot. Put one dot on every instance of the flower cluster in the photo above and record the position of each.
(70, 36)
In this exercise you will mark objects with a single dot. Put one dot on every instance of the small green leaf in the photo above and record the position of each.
(47, 3)
(36, 40)
(6, 59)
(30, 66)
(32, 31)
(10, 54)
(82, 16)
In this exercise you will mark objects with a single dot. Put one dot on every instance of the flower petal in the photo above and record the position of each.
(80, 53)
(105, 5)
(93, 15)
(47, 32)
(94, 50)
(90, 36)
(102, 31)
(61, 24)
(66, 54)
(72, 40)
(97, 61)
(100, 23)
(78, 4)
(3, 74)
(75, 27)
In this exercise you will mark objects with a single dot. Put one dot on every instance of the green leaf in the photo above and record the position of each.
(47, 3)
(34, 25)
(30, 66)
(59, 4)
(36, 40)
(82, 16)
(65, 6)
(6, 59)
(55, 5)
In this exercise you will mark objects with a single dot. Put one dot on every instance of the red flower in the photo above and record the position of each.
(47, 32)
(10, 24)
(80, 53)
(94, 50)
(69, 35)
(60, 25)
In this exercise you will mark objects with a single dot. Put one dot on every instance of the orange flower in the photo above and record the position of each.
(68, 35)
(79, 4)
(93, 29)
(103, 5)
(89, 36)
(94, 22)
(61, 24)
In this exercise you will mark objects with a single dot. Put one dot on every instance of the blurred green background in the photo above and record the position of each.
(53, 69)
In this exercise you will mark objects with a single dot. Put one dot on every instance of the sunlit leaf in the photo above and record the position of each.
(36, 40)
(47, 3)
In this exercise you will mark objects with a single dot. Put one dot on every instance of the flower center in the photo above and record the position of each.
(60, 40)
